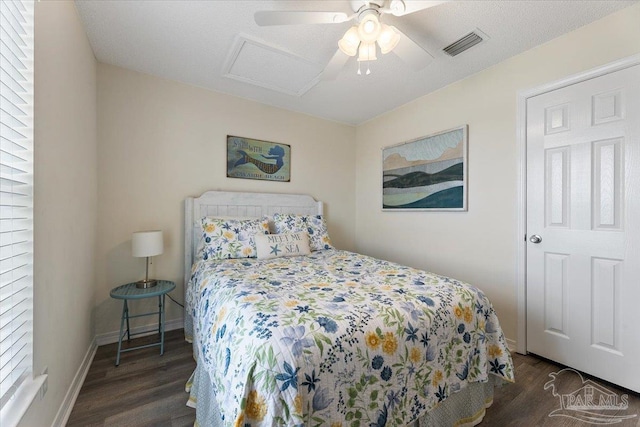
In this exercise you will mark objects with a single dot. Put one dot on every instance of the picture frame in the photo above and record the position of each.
(250, 158)
(427, 173)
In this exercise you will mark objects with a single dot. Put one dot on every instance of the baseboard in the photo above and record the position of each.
(111, 337)
(74, 389)
(511, 344)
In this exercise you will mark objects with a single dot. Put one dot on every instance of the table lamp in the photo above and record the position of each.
(146, 244)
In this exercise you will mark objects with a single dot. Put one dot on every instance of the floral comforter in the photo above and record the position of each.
(338, 338)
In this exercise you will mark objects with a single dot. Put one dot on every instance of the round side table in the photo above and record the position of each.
(131, 292)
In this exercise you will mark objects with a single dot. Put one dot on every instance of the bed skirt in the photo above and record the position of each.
(462, 409)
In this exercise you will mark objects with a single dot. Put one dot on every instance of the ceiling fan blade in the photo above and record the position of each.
(334, 66)
(411, 53)
(282, 17)
(405, 7)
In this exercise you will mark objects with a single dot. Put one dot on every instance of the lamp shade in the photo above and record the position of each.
(147, 243)
(388, 39)
(367, 52)
(348, 44)
(369, 28)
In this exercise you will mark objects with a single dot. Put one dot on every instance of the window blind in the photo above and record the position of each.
(16, 195)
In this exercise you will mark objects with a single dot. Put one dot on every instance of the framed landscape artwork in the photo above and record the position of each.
(255, 159)
(428, 173)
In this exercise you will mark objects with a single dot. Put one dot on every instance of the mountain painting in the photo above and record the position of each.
(429, 173)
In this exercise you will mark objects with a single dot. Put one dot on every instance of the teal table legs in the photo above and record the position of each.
(125, 315)
(161, 322)
(126, 310)
(130, 291)
(125, 319)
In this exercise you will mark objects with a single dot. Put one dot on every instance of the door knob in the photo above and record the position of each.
(535, 239)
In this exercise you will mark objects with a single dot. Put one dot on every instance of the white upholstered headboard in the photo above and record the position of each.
(237, 204)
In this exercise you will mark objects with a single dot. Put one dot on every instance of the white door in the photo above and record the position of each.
(583, 226)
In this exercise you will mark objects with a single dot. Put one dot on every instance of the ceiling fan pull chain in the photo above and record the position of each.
(359, 72)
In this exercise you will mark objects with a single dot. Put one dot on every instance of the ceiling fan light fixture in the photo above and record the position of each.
(348, 44)
(388, 38)
(367, 52)
(369, 27)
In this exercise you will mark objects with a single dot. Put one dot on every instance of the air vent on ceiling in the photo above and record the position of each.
(464, 43)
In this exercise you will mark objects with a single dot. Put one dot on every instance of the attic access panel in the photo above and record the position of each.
(260, 64)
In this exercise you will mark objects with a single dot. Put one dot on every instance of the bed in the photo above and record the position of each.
(329, 337)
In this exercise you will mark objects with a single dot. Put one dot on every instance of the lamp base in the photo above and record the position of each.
(146, 283)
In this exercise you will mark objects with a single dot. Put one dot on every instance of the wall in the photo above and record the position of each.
(65, 201)
(477, 246)
(161, 141)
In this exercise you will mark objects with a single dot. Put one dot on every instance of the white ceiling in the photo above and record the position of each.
(195, 41)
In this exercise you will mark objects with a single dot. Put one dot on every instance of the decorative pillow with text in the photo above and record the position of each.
(279, 245)
(315, 225)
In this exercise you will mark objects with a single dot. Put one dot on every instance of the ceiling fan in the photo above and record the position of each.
(361, 39)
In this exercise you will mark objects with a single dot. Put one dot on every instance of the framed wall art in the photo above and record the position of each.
(428, 173)
(255, 159)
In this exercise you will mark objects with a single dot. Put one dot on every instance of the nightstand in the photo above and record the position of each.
(131, 292)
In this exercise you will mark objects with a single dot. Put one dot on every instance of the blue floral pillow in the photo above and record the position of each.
(231, 238)
(315, 225)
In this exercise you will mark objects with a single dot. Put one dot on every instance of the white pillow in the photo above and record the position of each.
(279, 245)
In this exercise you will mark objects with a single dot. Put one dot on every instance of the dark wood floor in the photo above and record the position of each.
(145, 390)
(527, 403)
(148, 390)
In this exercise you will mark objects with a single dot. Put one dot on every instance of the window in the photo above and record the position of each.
(16, 203)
